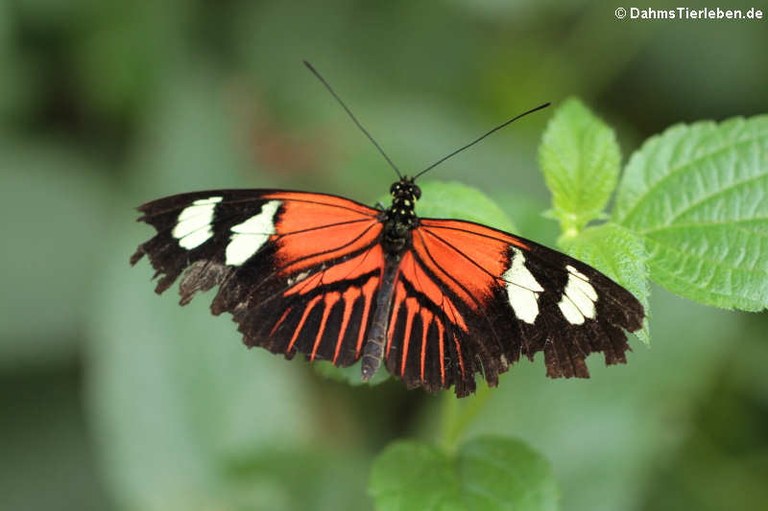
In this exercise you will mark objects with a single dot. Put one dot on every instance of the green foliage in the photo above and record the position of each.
(580, 159)
(489, 473)
(457, 200)
(698, 195)
(694, 198)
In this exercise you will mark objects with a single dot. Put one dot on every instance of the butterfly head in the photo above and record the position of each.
(405, 190)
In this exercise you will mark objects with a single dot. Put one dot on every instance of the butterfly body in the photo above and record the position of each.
(435, 300)
(398, 221)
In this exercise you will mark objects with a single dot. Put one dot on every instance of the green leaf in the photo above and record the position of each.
(698, 194)
(489, 473)
(620, 254)
(580, 159)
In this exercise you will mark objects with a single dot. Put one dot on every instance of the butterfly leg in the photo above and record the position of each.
(373, 352)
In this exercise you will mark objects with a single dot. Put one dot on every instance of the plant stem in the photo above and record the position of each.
(457, 415)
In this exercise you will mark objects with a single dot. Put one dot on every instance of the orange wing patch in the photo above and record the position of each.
(415, 274)
(469, 232)
(310, 231)
(471, 271)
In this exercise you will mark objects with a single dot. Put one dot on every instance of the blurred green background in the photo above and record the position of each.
(113, 398)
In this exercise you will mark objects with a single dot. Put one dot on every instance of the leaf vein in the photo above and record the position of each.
(673, 171)
(721, 191)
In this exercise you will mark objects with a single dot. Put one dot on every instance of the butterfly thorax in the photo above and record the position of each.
(400, 218)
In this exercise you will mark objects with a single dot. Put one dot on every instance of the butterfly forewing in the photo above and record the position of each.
(297, 271)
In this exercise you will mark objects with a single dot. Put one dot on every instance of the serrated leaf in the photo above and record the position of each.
(698, 194)
(620, 254)
(489, 473)
(580, 159)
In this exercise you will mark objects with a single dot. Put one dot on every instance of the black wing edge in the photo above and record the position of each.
(565, 345)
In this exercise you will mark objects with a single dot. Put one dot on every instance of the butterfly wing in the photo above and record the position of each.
(473, 299)
(300, 272)
(297, 271)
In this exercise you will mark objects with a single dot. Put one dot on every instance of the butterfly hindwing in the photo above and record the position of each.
(429, 342)
(297, 271)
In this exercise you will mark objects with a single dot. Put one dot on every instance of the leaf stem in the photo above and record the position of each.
(457, 415)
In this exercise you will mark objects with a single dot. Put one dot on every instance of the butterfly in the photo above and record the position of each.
(436, 301)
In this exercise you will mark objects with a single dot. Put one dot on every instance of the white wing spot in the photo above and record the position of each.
(248, 237)
(579, 298)
(522, 288)
(574, 271)
(193, 227)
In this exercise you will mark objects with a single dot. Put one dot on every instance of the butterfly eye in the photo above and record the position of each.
(394, 188)
(416, 192)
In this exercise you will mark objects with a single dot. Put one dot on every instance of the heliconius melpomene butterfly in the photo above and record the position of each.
(435, 300)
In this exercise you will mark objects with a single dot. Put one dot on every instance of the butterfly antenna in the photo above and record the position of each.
(352, 116)
(467, 146)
